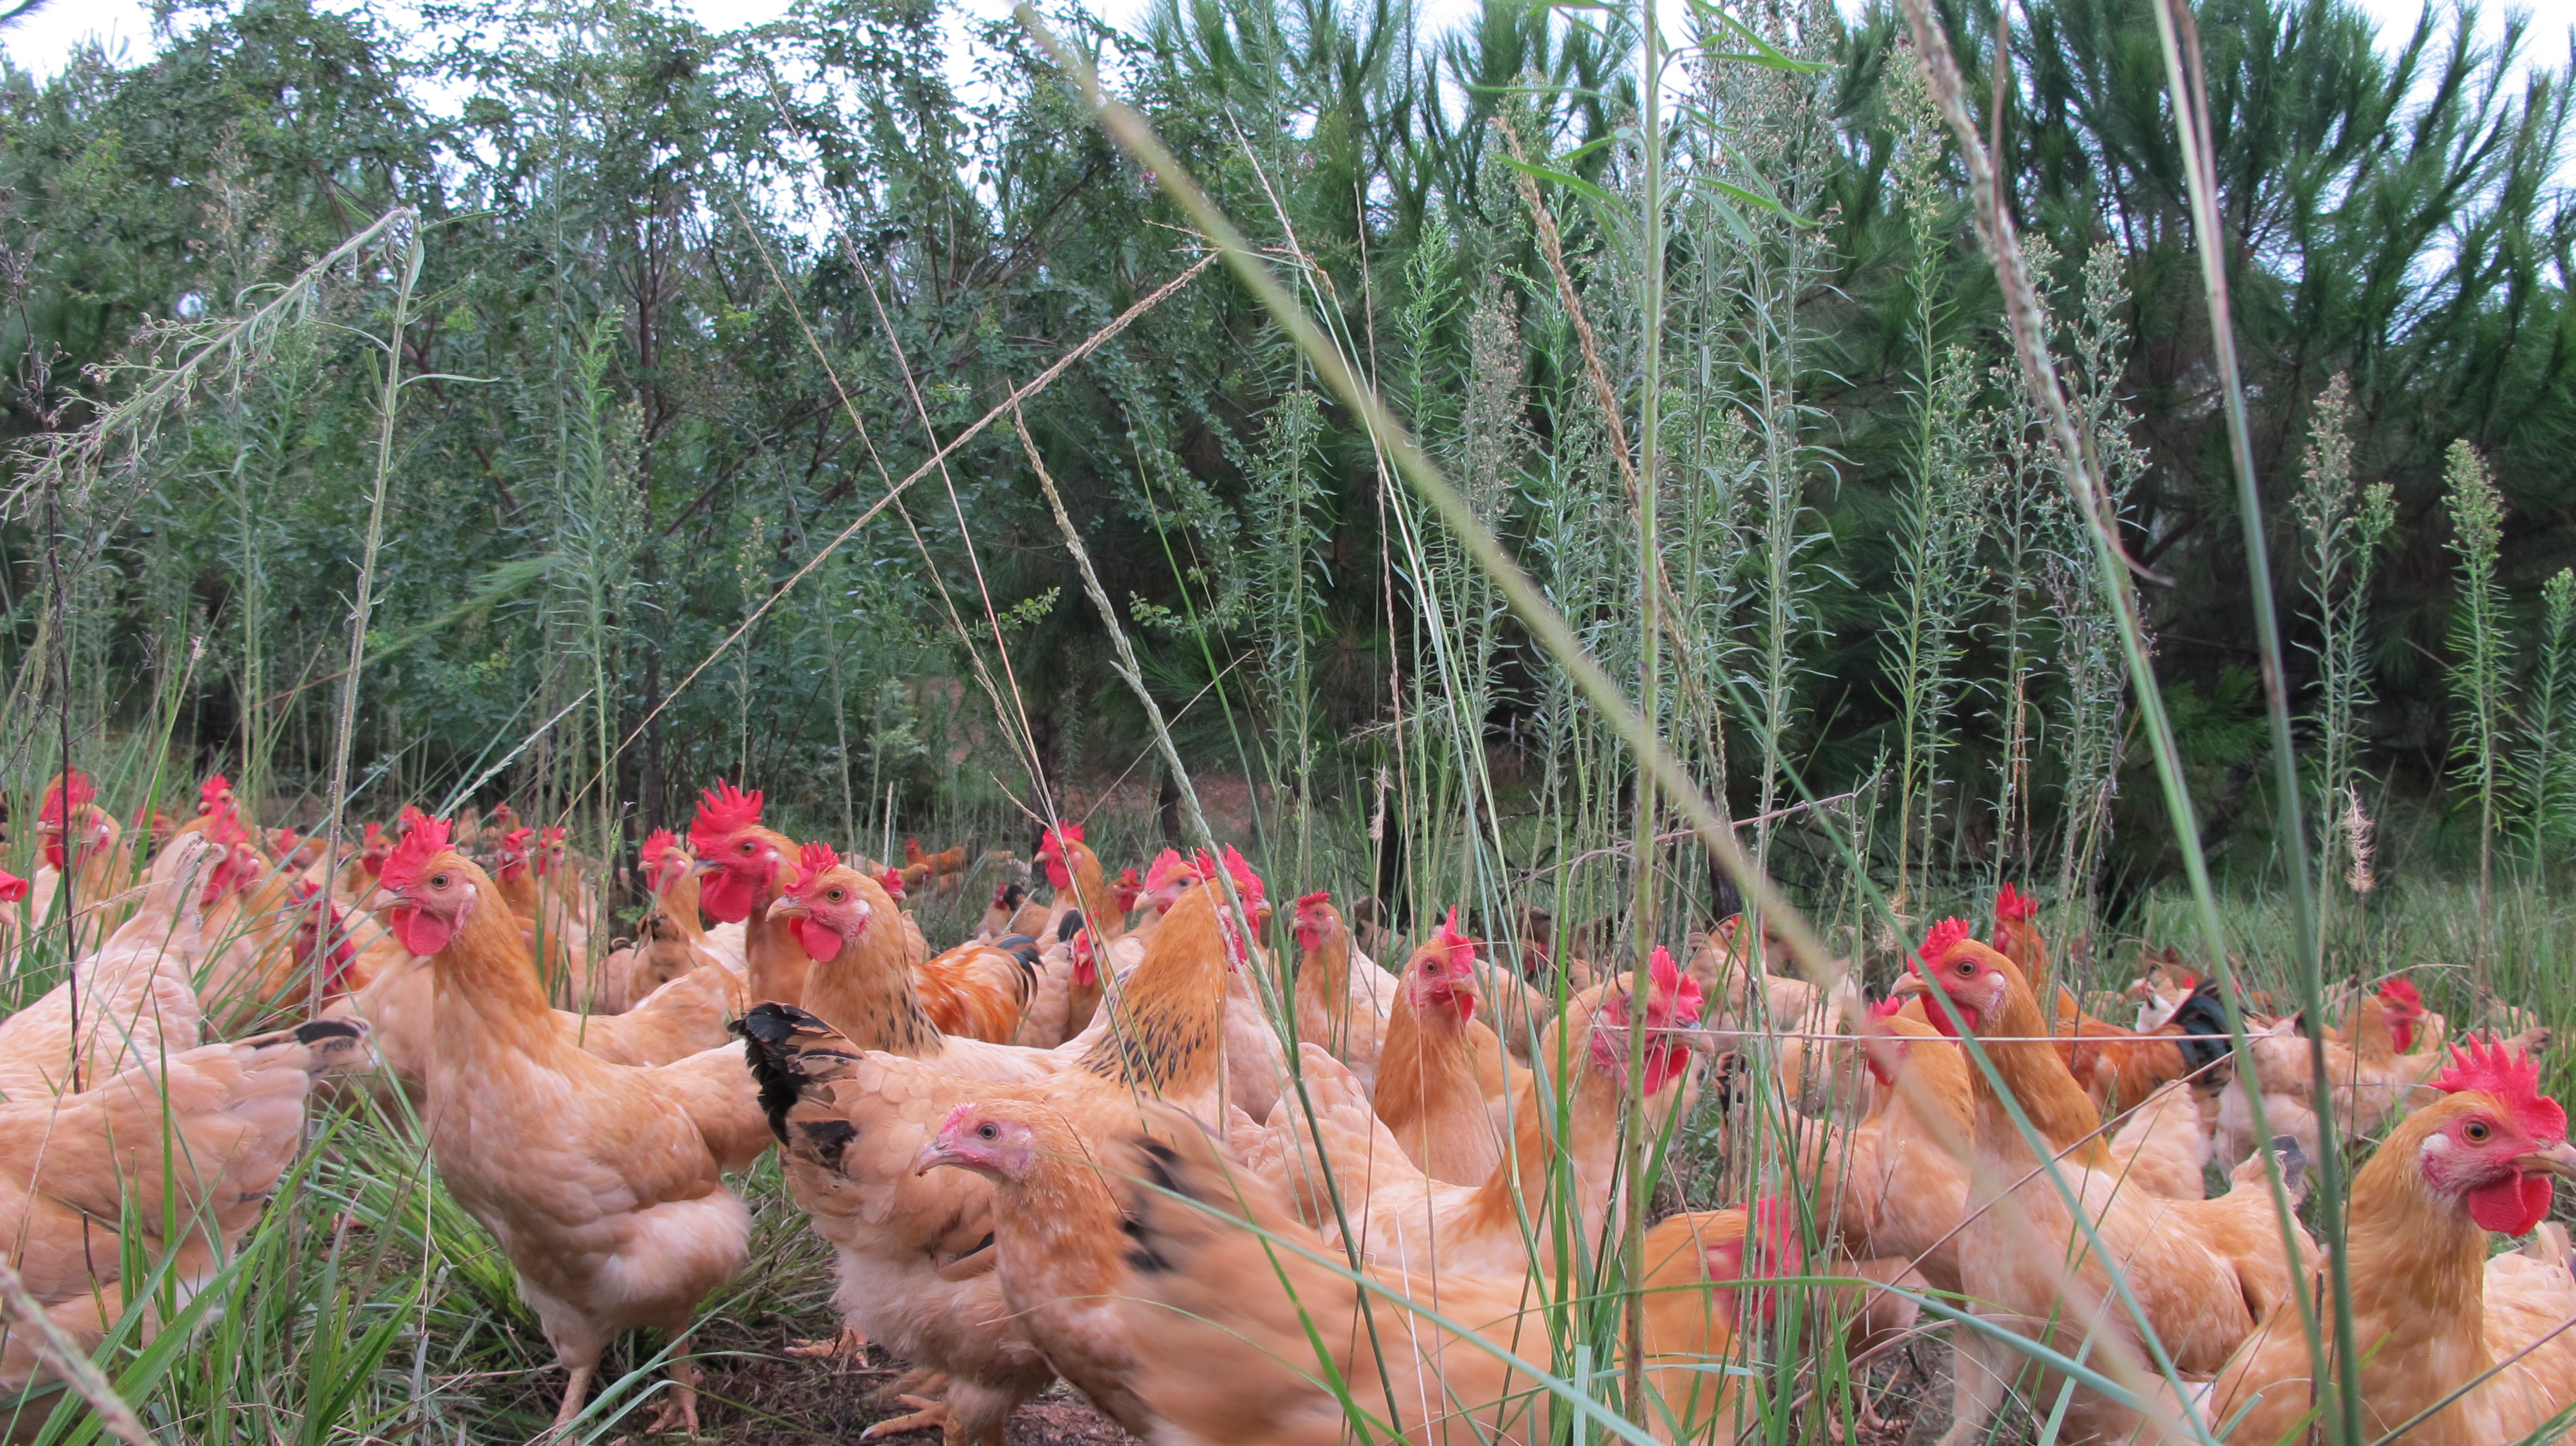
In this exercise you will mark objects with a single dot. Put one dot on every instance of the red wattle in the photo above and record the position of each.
(420, 931)
(1086, 972)
(1309, 937)
(820, 940)
(374, 866)
(1058, 876)
(53, 855)
(2512, 1206)
(2401, 1033)
(726, 896)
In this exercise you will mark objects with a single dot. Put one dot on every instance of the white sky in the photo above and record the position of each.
(44, 42)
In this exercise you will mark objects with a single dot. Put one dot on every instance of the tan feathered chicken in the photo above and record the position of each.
(851, 1120)
(1444, 1081)
(200, 1138)
(1409, 1222)
(2433, 1313)
(137, 995)
(603, 1184)
(672, 940)
(2201, 1271)
(1250, 1332)
(1343, 999)
(74, 833)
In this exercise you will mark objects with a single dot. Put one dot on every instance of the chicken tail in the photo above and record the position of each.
(792, 1054)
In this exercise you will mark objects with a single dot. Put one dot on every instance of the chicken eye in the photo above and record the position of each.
(438, 881)
(986, 1131)
(747, 846)
(836, 896)
(1964, 969)
(2477, 1132)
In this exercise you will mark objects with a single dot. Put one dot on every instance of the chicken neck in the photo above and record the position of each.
(1167, 1036)
(2038, 1078)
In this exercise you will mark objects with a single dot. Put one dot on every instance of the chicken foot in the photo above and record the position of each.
(849, 1347)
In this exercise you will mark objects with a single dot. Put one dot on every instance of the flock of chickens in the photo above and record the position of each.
(1113, 1140)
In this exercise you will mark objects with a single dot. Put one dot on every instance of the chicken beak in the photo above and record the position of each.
(1908, 982)
(932, 1156)
(2558, 1159)
(787, 908)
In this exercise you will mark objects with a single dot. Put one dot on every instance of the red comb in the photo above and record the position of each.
(1246, 882)
(517, 839)
(1888, 1008)
(426, 841)
(1449, 934)
(1166, 865)
(1055, 839)
(892, 882)
(77, 784)
(211, 791)
(1677, 995)
(723, 811)
(656, 844)
(1944, 936)
(813, 859)
(1308, 901)
(12, 887)
(2402, 991)
(2512, 1077)
(412, 817)
(1127, 877)
(2012, 903)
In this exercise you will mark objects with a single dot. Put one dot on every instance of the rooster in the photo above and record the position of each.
(2433, 1314)
(674, 941)
(2202, 1272)
(852, 1113)
(603, 1184)
(743, 869)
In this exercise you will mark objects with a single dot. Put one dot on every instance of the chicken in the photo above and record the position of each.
(134, 999)
(1407, 1221)
(1441, 1089)
(1060, 1252)
(1896, 1184)
(602, 1183)
(940, 868)
(1343, 998)
(743, 869)
(198, 1139)
(561, 943)
(2017, 938)
(851, 1113)
(13, 898)
(1080, 884)
(2121, 1068)
(1011, 912)
(71, 826)
(1250, 1330)
(2161, 988)
(2432, 1313)
(979, 990)
(916, 947)
(673, 941)
(2370, 1081)
(2202, 1272)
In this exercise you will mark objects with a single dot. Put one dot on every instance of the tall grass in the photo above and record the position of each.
(1594, 632)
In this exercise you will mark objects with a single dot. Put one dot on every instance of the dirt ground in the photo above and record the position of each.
(769, 1401)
